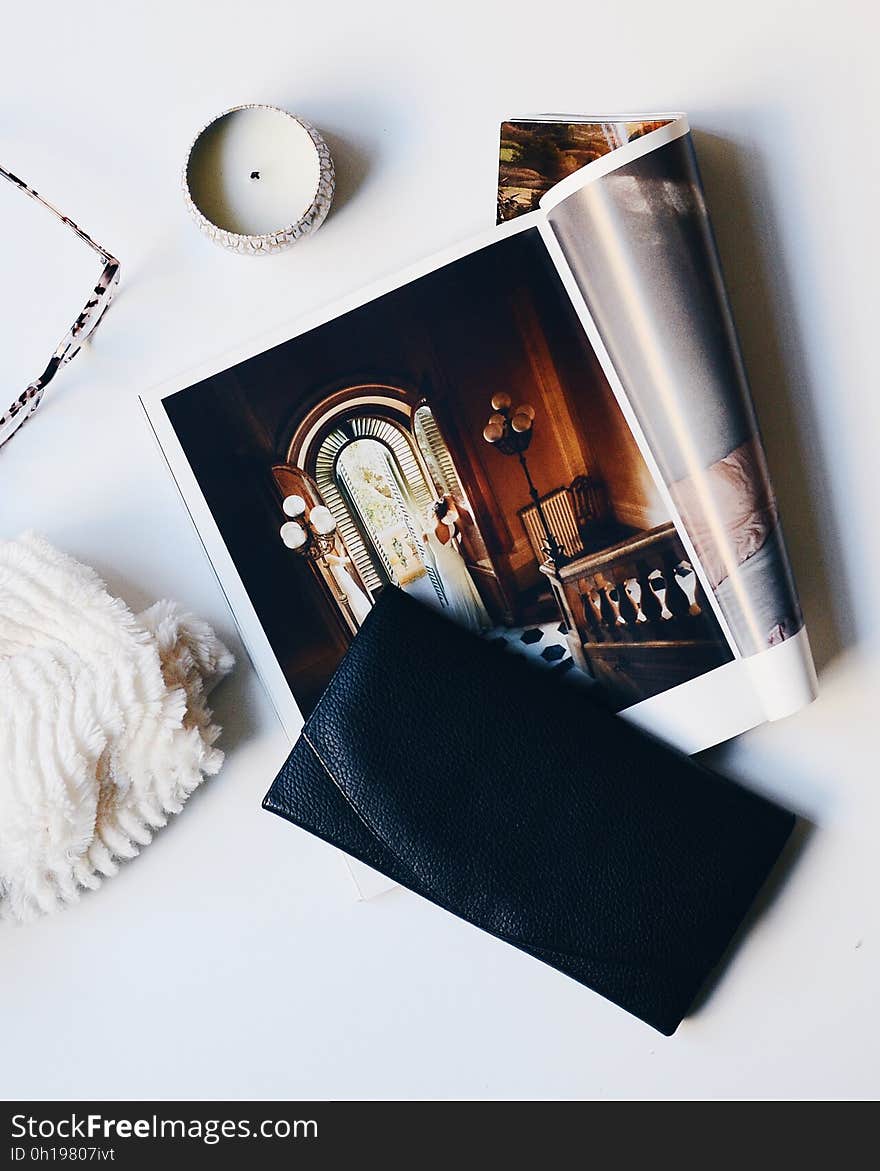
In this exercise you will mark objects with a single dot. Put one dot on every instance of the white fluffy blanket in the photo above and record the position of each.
(104, 725)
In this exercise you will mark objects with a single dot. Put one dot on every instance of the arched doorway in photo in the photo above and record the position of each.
(375, 459)
(372, 481)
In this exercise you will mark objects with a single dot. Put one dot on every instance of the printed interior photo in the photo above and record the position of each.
(536, 154)
(457, 439)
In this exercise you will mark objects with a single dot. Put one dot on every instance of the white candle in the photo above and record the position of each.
(258, 178)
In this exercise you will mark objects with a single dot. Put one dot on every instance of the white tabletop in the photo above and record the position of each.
(231, 960)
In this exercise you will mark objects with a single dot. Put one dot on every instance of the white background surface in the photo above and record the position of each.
(230, 960)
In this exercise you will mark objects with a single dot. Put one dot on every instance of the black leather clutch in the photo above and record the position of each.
(513, 800)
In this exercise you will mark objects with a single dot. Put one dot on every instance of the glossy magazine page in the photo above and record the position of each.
(628, 213)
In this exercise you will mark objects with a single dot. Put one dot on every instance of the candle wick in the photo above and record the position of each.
(255, 174)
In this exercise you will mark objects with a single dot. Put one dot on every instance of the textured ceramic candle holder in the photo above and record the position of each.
(257, 179)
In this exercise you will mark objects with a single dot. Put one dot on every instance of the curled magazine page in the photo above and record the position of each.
(625, 204)
(538, 153)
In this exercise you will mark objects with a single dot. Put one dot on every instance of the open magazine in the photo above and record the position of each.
(546, 433)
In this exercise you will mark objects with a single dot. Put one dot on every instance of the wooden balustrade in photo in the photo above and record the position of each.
(638, 619)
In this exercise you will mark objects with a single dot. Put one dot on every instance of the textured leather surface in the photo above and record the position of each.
(513, 800)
